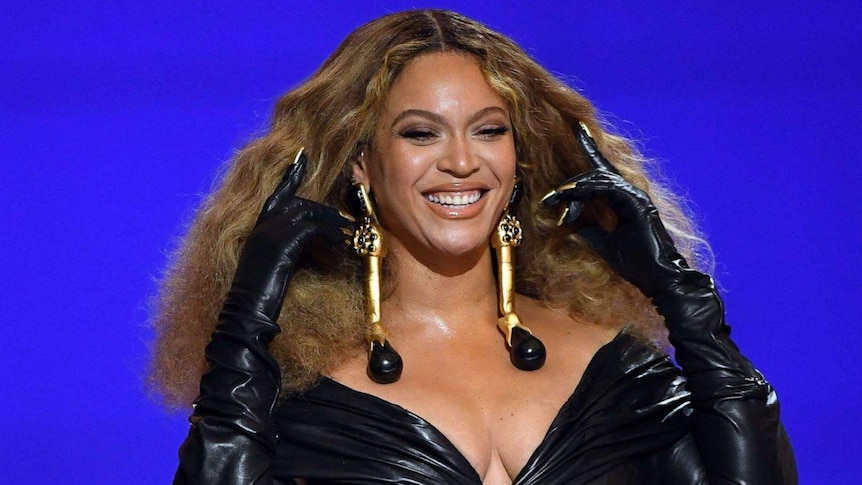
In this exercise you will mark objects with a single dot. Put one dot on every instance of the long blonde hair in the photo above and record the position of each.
(333, 114)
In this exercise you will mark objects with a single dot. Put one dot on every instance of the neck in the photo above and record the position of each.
(448, 297)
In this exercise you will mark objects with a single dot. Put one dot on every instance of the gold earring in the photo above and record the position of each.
(525, 350)
(384, 363)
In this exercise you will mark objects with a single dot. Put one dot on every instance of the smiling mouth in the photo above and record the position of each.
(462, 199)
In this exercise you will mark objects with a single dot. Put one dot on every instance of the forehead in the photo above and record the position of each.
(441, 80)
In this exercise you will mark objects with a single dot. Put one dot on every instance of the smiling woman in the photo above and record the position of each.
(441, 137)
(442, 164)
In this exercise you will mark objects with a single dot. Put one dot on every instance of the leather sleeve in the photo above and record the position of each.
(682, 463)
(231, 440)
(736, 434)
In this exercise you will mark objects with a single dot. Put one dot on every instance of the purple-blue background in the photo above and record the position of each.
(115, 118)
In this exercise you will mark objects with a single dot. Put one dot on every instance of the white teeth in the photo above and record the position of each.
(454, 200)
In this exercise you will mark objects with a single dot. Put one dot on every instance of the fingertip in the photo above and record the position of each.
(575, 208)
(563, 216)
(300, 156)
(341, 236)
(294, 168)
(567, 186)
(591, 151)
(587, 142)
(299, 163)
(550, 198)
(570, 213)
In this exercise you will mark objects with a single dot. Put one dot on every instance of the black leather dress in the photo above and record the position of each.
(627, 422)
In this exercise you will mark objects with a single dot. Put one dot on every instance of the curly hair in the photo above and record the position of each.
(332, 115)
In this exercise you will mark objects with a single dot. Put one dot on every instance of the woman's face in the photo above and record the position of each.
(443, 162)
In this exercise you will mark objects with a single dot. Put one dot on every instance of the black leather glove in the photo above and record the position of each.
(735, 411)
(231, 440)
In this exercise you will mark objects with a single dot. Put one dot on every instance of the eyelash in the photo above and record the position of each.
(494, 132)
(422, 135)
(417, 134)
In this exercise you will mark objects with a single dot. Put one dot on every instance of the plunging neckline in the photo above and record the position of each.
(592, 367)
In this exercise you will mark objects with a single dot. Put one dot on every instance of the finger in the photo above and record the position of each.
(301, 209)
(567, 188)
(591, 150)
(626, 200)
(555, 196)
(571, 212)
(577, 188)
(334, 235)
(289, 184)
(622, 197)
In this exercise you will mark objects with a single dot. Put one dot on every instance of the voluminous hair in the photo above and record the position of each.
(332, 115)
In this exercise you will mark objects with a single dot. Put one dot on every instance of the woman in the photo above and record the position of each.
(427, 131)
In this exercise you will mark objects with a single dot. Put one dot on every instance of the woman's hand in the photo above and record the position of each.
(285, 225)
(639, 248)
(232, 440)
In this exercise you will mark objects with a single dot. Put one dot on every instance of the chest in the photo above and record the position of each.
(627, 410)
(495, 415)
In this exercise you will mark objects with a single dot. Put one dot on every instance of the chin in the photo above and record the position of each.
(462, 247)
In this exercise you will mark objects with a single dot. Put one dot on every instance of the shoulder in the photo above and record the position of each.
(612, 354)
(557, 324)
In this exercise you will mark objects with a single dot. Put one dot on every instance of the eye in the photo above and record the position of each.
(418, 135)
(491, 133)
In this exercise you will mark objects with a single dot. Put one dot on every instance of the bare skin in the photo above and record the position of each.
(457, 373)
(445, 133)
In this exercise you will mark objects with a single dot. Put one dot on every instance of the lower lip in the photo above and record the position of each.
(462, 212)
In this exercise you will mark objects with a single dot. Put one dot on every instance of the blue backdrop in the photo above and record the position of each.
(116, 118)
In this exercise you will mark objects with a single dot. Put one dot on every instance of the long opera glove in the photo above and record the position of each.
(231, 440)
(735, 418)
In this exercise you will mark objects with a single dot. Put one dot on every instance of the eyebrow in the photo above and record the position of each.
(439, 119)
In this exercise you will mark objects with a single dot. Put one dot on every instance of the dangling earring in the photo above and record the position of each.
(384, 363)
(525, 350)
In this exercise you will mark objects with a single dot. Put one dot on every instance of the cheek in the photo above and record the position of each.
(393, 178)
(504, 162)
(401, 168)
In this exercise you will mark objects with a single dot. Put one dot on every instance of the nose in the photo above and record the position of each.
(459, 159)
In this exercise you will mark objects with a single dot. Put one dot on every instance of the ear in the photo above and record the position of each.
(359, 169)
